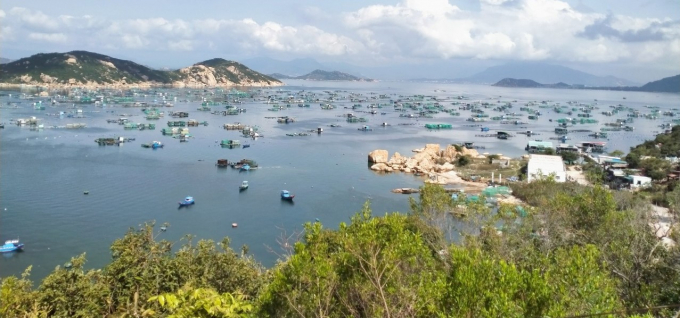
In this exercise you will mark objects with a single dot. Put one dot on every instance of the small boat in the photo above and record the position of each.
(246, 146)
(286, 195)
(243, 186)
(245, 167)
(187, 201)
(11, 246)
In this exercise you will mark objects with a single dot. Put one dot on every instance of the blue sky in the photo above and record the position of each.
(636, 39)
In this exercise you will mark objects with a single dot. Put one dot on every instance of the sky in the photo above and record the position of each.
(637, 40)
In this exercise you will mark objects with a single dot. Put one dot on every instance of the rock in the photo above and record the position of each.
(411, 163)
(418, 150)
(449, 153)
(378, 156)
(397, 159)
(426, 165)
(432, 150)
(44, 94)
(107, 63)
(379, 167)
(407, 170)
(445, 167)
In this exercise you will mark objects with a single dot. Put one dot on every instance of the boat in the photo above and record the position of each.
(11, 246)
(286, 195)
(245, 167)
(187, 201)
(246, 146)
(243, 186)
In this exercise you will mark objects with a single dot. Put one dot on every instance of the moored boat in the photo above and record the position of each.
(187, 201)
(243, 186)
(286, 195)
(245, 167)
(11, 246)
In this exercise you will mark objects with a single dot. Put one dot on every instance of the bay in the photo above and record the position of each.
(43, 174)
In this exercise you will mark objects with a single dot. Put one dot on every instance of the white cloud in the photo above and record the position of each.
(48, 37)
(409, 30)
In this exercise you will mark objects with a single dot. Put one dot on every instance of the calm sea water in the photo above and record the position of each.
(43, 173)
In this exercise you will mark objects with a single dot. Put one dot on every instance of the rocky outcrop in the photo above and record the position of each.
(430, 159)
(378, 156)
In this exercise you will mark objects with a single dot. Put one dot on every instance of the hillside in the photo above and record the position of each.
(5, 60)
(93, 69)
(668, 85)
(220, 72)
(320, 75)
(513, 82)
(544, 73)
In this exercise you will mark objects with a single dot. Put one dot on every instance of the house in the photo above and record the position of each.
(639, 181)
(538, 146)
(543, 166)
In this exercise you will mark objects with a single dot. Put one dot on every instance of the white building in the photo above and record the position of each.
(639, 181)
(543, 166)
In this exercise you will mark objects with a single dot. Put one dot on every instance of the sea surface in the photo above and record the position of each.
(44, 173)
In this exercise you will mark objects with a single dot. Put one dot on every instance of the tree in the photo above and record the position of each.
(616, 153)
(569, 156)
(373, 267)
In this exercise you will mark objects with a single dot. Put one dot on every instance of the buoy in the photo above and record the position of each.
(234, 225)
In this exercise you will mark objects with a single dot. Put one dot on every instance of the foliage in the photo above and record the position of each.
(616, 153)
(464, 160)
(569, 156)
(201, 303)
(372, 267)
(664, 145)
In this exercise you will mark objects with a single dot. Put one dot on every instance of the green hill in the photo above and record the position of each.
(320, 75)
(88, 68)
(668, 85)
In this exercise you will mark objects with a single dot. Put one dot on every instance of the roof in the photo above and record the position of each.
(545, 165)
(539, 144)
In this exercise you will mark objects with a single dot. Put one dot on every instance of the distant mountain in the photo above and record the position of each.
(544, 73)
(5, 60)
(666, 85)
(513, 82)
(88, 68)
(320, 75)
(281, 76)
(295, 67)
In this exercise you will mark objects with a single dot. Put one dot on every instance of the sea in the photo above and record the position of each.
(45, 173)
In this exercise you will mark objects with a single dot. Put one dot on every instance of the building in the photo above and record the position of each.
(538, 146)
(639, 181)
(543, 166)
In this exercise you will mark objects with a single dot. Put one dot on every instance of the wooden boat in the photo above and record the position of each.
(286, 195)
(11, 246)
(243, 186)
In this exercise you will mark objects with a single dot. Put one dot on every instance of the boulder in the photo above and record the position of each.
(418, 150)
(449, 153)
(411, 163)
(397, 159)
(379, 167)
(378, 156)
(432, 150)
(407, 170)
(426, 165)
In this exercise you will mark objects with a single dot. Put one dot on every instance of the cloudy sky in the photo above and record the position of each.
(634, 39)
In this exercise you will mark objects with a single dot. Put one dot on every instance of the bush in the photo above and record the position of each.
(464, 160)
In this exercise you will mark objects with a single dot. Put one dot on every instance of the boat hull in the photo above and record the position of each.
(15, 248)
(288, 198)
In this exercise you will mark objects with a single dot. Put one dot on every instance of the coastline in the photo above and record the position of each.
(51, 86)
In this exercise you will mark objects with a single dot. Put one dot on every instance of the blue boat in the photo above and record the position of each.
(245, 167)
(187, 201)
(285, 195)
(11, 246)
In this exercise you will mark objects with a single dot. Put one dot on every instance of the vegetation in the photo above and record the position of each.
(574, 251)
